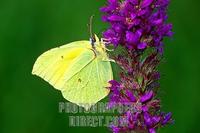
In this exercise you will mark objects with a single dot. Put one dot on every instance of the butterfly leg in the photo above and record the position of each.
(111, 60)
(106, 41)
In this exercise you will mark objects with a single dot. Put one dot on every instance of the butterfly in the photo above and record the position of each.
(80, 70)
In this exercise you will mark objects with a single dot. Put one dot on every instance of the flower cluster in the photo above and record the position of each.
(137, 24)
(138, 89)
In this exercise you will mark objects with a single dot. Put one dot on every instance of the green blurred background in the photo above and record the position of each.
(30, 27)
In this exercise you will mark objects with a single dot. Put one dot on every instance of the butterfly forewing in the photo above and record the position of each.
(57, 65)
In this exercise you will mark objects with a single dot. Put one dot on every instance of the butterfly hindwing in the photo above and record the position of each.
(89, 85)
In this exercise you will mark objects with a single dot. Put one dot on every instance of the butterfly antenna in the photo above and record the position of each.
(92, 38)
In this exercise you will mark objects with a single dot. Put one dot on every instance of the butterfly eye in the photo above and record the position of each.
(92, 40)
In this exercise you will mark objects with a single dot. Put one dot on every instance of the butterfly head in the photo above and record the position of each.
(98, 46)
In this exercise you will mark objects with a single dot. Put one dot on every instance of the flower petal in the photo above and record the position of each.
(167, 118)
(152, 130)
(130, 96)
(142, 45)
(146, 3)
(148, 96)
(115, 18)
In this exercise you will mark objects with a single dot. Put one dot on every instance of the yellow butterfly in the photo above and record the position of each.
(80, 70)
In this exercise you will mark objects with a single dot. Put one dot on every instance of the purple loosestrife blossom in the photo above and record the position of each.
(137, 25)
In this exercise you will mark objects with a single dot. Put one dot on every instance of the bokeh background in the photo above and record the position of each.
(30, 27)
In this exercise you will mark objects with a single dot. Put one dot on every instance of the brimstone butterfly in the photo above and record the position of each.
(80, 70)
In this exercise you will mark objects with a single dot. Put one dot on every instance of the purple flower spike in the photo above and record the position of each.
(129, 91)
(146, 97)
(138, 26)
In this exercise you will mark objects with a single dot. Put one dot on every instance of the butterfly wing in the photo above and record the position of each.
(88, 86)
(57, 65)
